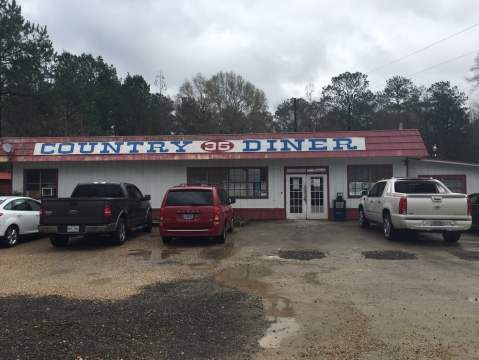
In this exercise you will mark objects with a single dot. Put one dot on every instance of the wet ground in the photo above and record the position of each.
(275, 290)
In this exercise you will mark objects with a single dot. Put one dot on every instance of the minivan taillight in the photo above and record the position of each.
(403, 205)
(107, 211)
(469, 206)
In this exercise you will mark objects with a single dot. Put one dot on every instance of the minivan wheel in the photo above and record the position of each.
(363, 222)
(451, 236)
(11, 236)
(119, 236)
(59, 240)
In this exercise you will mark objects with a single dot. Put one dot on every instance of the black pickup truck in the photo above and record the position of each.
(96, 209)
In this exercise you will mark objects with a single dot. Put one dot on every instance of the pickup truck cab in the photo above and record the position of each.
(415, 204)
(196, 211)
(96, 209)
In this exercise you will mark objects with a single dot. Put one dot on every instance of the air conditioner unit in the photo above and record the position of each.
(48, 192)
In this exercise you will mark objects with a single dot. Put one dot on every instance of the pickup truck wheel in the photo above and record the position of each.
(11, 236)
(388, 228)
(119, 236)
(59, 240)
(451, 236)
(149, 223)
(363, 222)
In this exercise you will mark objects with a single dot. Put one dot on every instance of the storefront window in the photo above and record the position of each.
(40, 183)
(245, 183)
(362, 177)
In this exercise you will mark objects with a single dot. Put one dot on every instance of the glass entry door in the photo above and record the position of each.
(306, 196)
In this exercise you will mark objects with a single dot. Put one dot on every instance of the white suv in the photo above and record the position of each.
(415, 204)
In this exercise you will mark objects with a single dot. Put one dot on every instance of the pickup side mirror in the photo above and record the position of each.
(231, 200)
(364, 193)
(147, 197)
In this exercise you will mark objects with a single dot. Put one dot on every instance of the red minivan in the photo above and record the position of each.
(194, 211)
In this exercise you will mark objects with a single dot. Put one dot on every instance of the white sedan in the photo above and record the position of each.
(18, 216)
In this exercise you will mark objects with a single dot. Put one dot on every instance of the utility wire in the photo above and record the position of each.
(425, 47)
(443, 63)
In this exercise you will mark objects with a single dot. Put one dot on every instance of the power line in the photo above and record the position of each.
(425, 47)
(443, 63)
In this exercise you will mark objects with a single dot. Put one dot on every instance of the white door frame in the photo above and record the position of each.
(305, 208)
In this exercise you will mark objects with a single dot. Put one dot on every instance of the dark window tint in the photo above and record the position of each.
(18, 205)
(189, 197)
(98, 190)
(133, 192)
(34, 205)
(378, 189)
(475, 199)
(416, 187)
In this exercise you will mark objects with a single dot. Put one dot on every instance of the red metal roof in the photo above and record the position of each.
(5, 175)
(382, 143)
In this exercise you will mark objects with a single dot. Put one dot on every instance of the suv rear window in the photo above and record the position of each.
(189, 197)
(416, 187)
(98, 190)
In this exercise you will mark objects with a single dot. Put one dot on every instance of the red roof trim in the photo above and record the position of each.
(382, 143)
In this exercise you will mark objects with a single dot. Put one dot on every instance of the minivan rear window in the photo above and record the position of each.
(416, 187)
(98, 190)
(189, 197)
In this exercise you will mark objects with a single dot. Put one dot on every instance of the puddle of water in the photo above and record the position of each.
(245, 277)
(473, 299)
(218, 252)
(145, 254)
(278, 306)
(301, 254)
(282, 328)
(466, 254)
(389, 255)
(166, 253)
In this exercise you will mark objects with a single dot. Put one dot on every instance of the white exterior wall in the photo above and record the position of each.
(155, 177)
(417, 168)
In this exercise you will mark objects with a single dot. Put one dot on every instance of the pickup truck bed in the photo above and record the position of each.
(96, 208)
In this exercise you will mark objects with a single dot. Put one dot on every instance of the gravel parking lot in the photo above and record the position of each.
(275, 290)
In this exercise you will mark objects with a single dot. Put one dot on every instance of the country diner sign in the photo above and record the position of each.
(133, 147)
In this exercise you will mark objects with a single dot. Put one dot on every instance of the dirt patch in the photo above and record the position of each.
(218, 252)
(389, 255)
(166, 253)
(143, 253)
(466, 254)
(301, 254)
(185, 320)
(245, 277)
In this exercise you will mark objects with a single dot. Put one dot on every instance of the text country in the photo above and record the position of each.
(200, 146)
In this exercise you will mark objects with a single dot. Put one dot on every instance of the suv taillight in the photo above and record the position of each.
(217, 213)
(107, 211)
(469, 206)
(403, 205)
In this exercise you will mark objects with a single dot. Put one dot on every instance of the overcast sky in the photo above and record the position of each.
(278, 45)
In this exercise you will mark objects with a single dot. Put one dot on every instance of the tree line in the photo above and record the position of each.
(44, 93)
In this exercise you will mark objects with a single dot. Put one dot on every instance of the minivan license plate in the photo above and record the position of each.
(73, 228)
(188, 216)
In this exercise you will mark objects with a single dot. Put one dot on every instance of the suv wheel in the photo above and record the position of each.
(11, 236)
(59, 240)
(222, 238)
(388, 228)
(363, 222)
(119, 236)
(451, 236)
